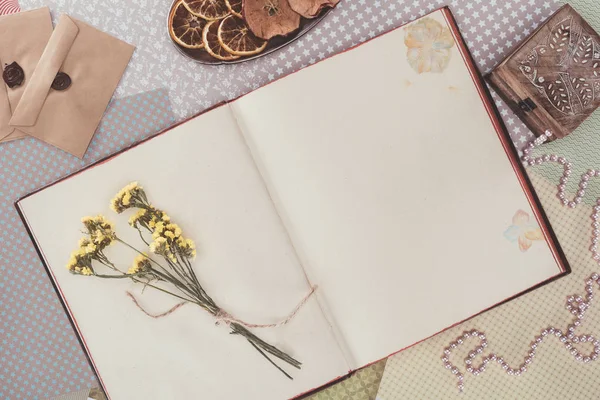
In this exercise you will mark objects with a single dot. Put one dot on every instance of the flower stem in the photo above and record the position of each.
(165, 274)
(165, 291)
(264, 346)
(112, 276)
(179, 272)
(142, 237)
(134, 278)
(271, 361)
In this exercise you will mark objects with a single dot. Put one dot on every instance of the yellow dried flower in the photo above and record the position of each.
(126, 198)
(175, 229)
(123, 200)
(87, 245)
(101, 232)
(80, 262)
(97, 222)
(72, 264)
(90, 248)
(97, 236)
(160, 246)
(115, 205)
(187, 247)
(169, 231)
(140, 264)
(138, 217)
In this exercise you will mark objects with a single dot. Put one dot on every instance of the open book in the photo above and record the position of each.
(383, 175)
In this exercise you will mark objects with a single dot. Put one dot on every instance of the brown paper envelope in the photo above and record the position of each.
(95, 62)
(23, 37)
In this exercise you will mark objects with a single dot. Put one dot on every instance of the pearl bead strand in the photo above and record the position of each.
(576, 305)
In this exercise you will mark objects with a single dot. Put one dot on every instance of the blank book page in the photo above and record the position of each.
(395, 189)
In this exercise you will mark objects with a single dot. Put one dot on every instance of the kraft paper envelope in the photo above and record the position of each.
(95, 62)
(23, 37)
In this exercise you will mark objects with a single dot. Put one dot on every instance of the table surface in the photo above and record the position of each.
(40, 357)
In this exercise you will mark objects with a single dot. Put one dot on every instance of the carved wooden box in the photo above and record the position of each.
(552, 80)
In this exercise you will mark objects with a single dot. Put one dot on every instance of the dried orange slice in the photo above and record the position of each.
(185, 28)
(235, 37)
(210, 10)
(212, 45)
(235, 7)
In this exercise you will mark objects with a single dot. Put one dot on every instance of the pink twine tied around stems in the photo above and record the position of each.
(223, 316)
(228, 319)
(164, 314)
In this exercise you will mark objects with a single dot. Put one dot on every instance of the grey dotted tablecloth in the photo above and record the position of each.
(491, 28)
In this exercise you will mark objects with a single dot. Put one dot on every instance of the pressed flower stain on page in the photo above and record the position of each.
(175, 268)
(429, 45)
(523, 230)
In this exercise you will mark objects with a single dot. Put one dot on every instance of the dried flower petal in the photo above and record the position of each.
(311, 8)
(270, 18)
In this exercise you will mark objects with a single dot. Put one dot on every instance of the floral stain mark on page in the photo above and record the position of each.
(171, 274)
(429, 45)
(523, 230)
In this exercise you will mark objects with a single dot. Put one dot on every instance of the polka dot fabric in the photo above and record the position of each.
(40, 355)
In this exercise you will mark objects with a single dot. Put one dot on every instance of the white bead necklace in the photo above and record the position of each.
(576, 305)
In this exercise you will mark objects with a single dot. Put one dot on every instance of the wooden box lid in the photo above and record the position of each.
(552, 80)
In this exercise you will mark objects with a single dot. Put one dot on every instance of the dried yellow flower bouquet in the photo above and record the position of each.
(173, 272)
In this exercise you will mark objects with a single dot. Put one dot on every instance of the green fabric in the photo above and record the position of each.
(363, 385)
(589, 10)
